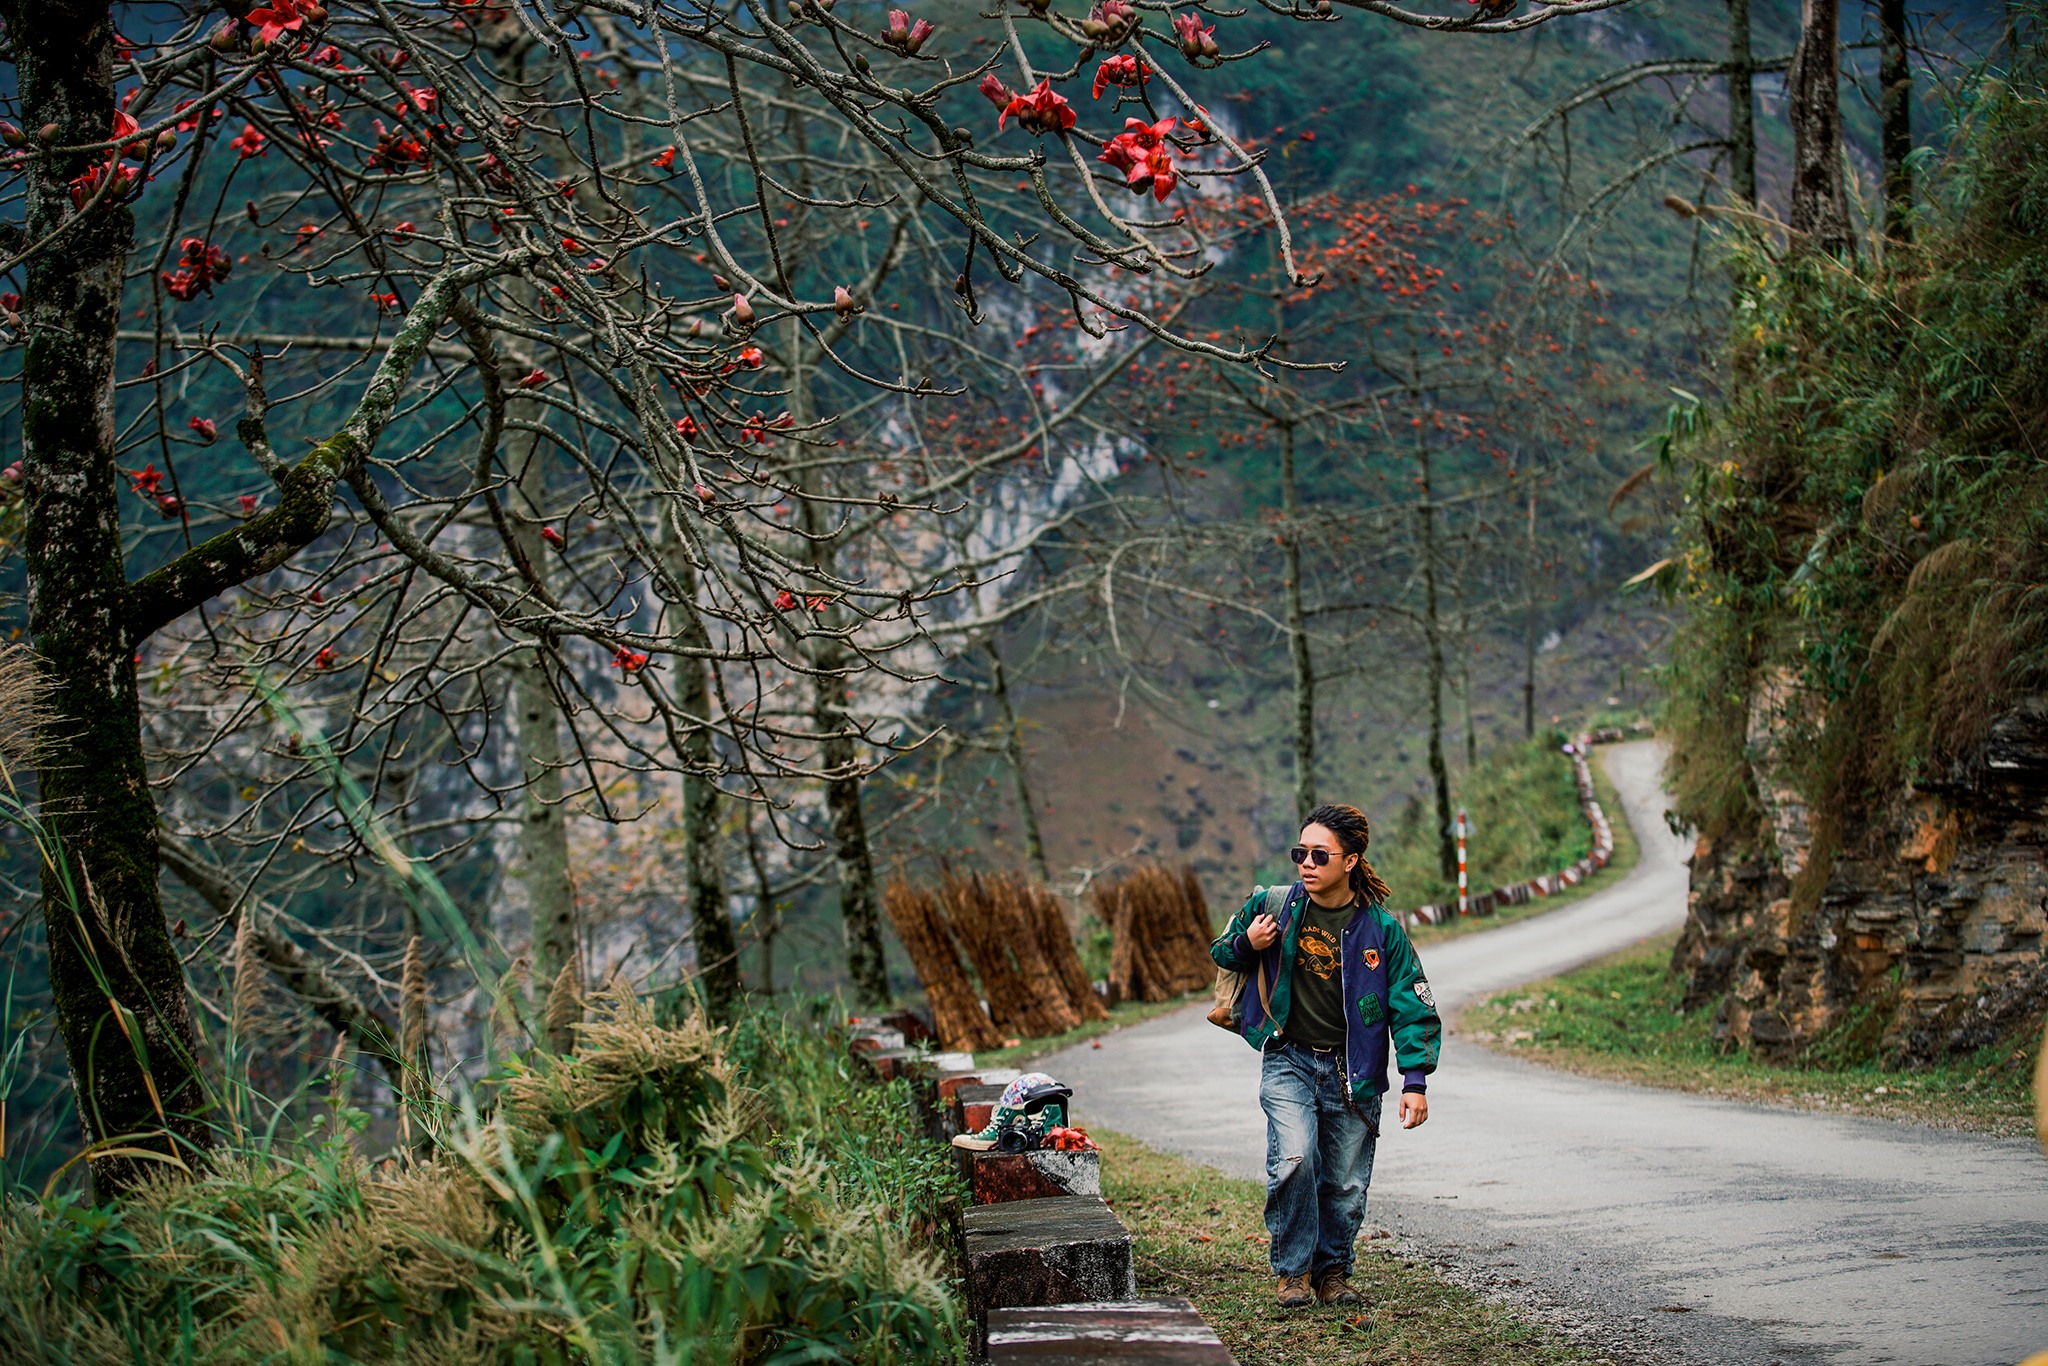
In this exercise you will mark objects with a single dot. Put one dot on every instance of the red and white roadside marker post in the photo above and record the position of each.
(1464, 905)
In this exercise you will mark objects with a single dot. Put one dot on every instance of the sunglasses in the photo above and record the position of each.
(1303, 854)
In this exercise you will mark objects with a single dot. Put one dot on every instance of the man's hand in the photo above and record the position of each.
(1262, 931)
(1414, 1109)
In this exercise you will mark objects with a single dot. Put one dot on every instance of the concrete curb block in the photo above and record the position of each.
(1047, 1265)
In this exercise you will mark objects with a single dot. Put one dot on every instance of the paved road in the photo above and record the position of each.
(1784, 1236)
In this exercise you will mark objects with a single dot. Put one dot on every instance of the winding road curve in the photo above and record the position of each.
(1673, 1227)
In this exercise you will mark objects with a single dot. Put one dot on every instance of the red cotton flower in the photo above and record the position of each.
(147, 481)
(1144, 155)
(552, 537)
(325, 659)
(85, 185)
(705, 493)
(283, 16)
(998, 94)
(170, 507)
(248, 505)
(200, 265)
(386, 303)
(534, 379)
(1110, 21)
(394, 150)
(750, 356)
(1122, 69)
(686, 428)
(905, 36)
(1196, 40)
(249, 142)
(1044, 110)
(785, 601)
(629, 661)
(664, 158)
(204, 426)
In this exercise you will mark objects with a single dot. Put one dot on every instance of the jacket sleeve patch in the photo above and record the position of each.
(1423, 992)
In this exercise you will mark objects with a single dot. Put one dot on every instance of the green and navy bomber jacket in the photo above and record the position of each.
(1385, 994)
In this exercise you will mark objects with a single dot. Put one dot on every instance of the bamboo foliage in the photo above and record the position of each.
(957, 1016)
(1159, 933)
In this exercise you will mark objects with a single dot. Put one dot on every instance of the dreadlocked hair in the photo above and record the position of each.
(1354, 833)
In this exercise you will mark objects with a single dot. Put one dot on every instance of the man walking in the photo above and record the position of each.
(1331, 982)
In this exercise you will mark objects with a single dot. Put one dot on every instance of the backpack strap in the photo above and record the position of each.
(1276, 906)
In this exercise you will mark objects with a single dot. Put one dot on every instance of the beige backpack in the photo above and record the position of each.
(1228, 1012)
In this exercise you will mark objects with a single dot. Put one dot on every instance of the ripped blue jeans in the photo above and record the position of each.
(1318, 1159)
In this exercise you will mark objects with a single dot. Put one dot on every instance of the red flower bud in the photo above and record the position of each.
(552, 537)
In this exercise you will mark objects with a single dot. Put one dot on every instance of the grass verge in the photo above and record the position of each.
(1120, 1015)
(1618, 1018)
(1626, 852)
(1199, 1233)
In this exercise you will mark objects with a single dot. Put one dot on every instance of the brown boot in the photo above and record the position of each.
(1294, 1292)
(1337, 1289)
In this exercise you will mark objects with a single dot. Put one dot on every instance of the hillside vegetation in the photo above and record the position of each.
(1857, 691)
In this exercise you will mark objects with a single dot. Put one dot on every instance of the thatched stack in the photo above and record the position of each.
(1056, 942)
(1159, 933)
(957, 1016)
(994, 916)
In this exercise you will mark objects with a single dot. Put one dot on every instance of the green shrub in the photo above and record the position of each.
(669, 1193)
(1862, 544)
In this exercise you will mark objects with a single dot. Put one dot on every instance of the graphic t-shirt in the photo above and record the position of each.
(1316, 1015)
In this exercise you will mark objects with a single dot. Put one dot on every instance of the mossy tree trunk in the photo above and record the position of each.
(1432, 630)
(832, 664)
(1297, 632)
(1820, 205)
(711, 933)
(1741, 105)
(543, 820)
(1013, 753)
(117, 985)
(1895, 85)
